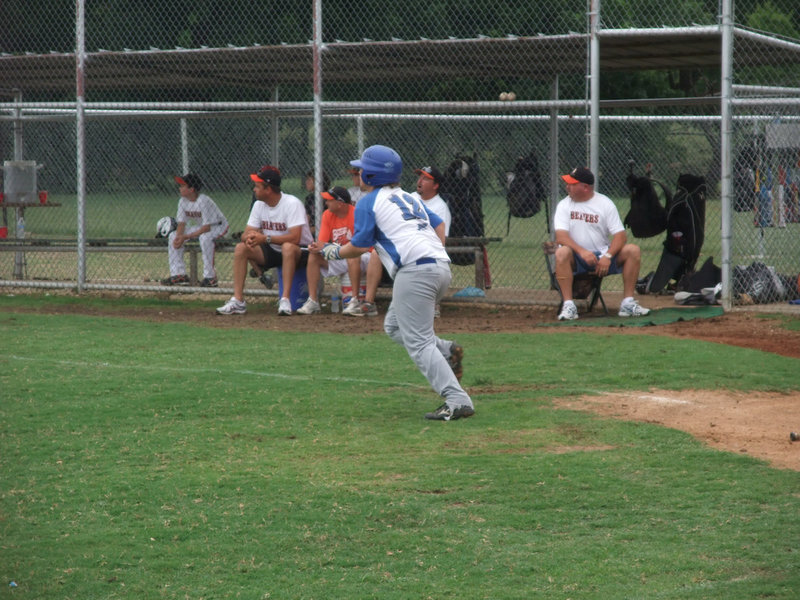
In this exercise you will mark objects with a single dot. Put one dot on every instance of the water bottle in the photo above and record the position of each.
(21, 228)
(335, 302)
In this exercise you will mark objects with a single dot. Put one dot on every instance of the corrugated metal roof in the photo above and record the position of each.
(263, 67)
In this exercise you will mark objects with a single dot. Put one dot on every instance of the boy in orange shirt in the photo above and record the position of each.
(337, 226)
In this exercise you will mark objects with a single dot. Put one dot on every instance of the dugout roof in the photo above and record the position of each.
(263, 67)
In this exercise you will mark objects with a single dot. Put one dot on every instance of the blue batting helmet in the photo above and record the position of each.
(379, 165)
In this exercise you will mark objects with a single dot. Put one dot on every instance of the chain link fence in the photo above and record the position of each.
(220, 89)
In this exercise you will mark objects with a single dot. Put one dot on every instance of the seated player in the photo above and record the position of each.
(337, 227)
(276, 235)
(583, 223)
(198, 218)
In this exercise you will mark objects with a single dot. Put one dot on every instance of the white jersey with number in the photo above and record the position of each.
(400, 227)
(590, 223)
(439, 206)
(202, 211)
(275, 220)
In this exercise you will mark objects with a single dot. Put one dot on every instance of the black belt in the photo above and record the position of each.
(425, 261)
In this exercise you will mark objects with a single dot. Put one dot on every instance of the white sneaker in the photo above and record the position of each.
(632, 309)
(284, 307)
(309, 308)
(569, 312)
(353, 308)
(233, 307)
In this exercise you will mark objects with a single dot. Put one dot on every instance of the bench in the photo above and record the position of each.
(113, 245)
(475, 247)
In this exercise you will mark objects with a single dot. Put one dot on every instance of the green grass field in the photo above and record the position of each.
(151, 460)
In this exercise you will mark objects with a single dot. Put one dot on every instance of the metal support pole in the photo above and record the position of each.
(555, 180)
(317, 53)
(594, 130)
(275, 152)
(360, 134)
(80, 60)
(19, 212)
(725, 149)
(184, 147)
(18, 138)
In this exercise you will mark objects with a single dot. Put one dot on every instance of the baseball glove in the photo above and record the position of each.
(165, 226)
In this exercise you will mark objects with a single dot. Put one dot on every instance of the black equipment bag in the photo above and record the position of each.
(686, 218)
(525, 189)
(461, 190)
(647, 216)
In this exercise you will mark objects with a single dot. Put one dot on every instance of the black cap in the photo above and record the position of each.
(191, 180)
(268, 174)
(579, 175)
(431, 173)
(338, 193)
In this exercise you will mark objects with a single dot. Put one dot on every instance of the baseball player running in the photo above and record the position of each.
(198, 217)
(410, 242)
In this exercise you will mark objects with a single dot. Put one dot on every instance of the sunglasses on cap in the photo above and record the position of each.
(334, 194)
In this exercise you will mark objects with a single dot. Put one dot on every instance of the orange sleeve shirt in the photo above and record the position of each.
(337, 229)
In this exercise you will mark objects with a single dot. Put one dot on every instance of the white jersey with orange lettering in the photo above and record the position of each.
(197, 213)
(400, 227)
(275, 220)
(589, 223)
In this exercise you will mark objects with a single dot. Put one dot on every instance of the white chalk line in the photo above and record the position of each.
(658, 399)
(319, 377)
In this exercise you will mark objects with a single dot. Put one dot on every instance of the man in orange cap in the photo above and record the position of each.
(584, 221)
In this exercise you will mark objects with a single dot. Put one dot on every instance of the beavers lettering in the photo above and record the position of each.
(579, 216)
(273, 226)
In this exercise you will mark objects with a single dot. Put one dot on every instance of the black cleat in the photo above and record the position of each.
(267, 280)
(445, 413)
(176, 280)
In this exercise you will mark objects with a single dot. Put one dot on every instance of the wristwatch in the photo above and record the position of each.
(607, 255)
(269, 239)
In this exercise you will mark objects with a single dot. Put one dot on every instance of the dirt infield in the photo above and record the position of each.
(755, 424)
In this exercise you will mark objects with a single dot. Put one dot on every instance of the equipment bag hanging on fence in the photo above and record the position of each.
(462, 192)
(647, 216)
(525, 189)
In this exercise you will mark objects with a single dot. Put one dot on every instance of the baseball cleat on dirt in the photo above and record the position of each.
(233, 307)
(569, 312)
(176, 280)
(353, 308)
(284, 307)
(365, 309)
(310, 307)
(632, 309)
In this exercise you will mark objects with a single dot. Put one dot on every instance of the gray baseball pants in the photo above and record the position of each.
(409, 322)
